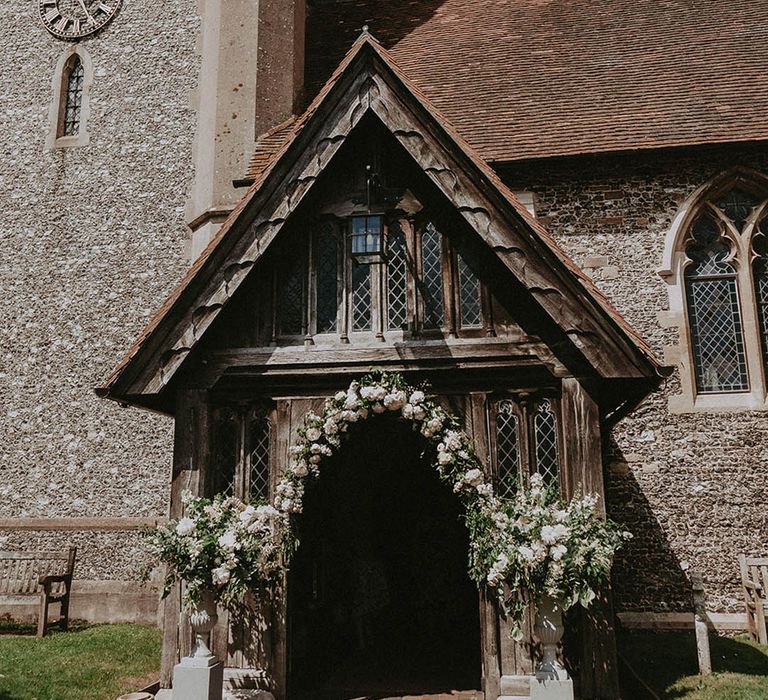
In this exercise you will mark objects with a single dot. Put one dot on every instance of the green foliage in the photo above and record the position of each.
(95, 663)
(221, 545)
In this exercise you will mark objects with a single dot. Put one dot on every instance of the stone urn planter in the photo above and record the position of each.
(551, 679)
(200, 676)
(202, 620)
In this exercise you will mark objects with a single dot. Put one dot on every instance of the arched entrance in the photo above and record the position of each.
(380, 603)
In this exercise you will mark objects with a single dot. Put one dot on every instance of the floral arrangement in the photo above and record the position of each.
(533, 545)
(380, 393)
(536, 545)
(223, 546)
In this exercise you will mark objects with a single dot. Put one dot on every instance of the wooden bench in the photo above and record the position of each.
(754, 580)
(44, 576)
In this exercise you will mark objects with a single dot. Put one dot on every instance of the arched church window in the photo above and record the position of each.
(70, 106)
(715, 262)
(713, 310)
(72, 102)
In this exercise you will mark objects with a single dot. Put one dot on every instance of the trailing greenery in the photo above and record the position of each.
(93, 663)
(536, 545)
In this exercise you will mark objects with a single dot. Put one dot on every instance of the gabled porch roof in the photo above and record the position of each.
(368, 82)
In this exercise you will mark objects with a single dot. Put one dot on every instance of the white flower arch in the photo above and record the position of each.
(376, 394)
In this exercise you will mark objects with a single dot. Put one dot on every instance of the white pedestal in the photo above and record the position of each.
(551, 689)
(198, 679)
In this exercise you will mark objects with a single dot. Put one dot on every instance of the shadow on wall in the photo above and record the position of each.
(388, 21)
(647, 574)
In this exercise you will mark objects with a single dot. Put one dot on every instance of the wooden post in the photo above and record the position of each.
(700, 625)
(191, 455)
(582, 467)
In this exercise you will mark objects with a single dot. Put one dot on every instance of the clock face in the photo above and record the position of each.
(73, 19)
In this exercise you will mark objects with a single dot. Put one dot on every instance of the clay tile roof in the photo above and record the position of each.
(267, 145)
(523, 79)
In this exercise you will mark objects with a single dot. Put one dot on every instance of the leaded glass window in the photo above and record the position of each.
(292, 300)
(397, 280)
(258, 436)
(327, 280)
(507, 449)
(545, 443)
(713, 311)
(470, 308)
(737, 205)
(226, 451)
(361, 297)
(73, 97)
(432, 276)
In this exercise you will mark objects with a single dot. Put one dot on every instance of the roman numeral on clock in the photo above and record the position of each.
(61, 25)
(106, 9)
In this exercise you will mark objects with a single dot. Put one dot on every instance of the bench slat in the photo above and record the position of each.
(33, 556)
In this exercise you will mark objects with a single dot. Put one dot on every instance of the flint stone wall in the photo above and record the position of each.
(691, 488)
(93, 242)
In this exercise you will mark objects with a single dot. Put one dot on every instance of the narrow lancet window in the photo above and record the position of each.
(713, 312)
(507, 449)
(72, 97)
(432, 276)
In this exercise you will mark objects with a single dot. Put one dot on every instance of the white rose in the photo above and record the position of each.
(473, 477)
(228, 540)
(315, 448)
(444, 458)
(299, 468)
(330, 427)
(185, 526)
(434, 424)
(417, 397)
(408, 411)
(340, 396)
(315, 459)
(378, 408)
(313, 434)
(484, 490)
(349, 416)
(379, 393)
(362, 412)
(558, 552)
(351, 400)
(526, 553)
(367, 392)
(220, 575)
(548, 535)
(419, 412)
(247, 515)
(395, 401)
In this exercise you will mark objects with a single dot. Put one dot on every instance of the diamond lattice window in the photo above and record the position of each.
(507, 449)
(432, 276)
(361, 297)
(258, 453)
(545, 443)
(469, 296)
(292, 300)
(713, 312)
(397, 280)
(760, 271)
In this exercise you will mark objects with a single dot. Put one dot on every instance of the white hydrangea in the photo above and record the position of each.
(185, 526)
(228, 540)
(221, 575)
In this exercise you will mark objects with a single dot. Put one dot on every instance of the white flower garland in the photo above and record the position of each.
(377, 394)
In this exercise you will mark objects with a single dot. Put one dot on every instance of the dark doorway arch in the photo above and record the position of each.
(379, 599)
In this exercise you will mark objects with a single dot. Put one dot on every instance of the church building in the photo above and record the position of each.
(553, 215)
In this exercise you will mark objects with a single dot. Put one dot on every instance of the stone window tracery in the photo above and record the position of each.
(717, 266)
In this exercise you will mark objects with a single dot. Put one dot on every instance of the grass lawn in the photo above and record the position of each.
(666, 661)
(88, 663)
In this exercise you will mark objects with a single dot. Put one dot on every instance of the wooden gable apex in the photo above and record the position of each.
(368, 82)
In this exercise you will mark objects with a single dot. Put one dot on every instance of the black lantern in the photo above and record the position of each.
(367, 234)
